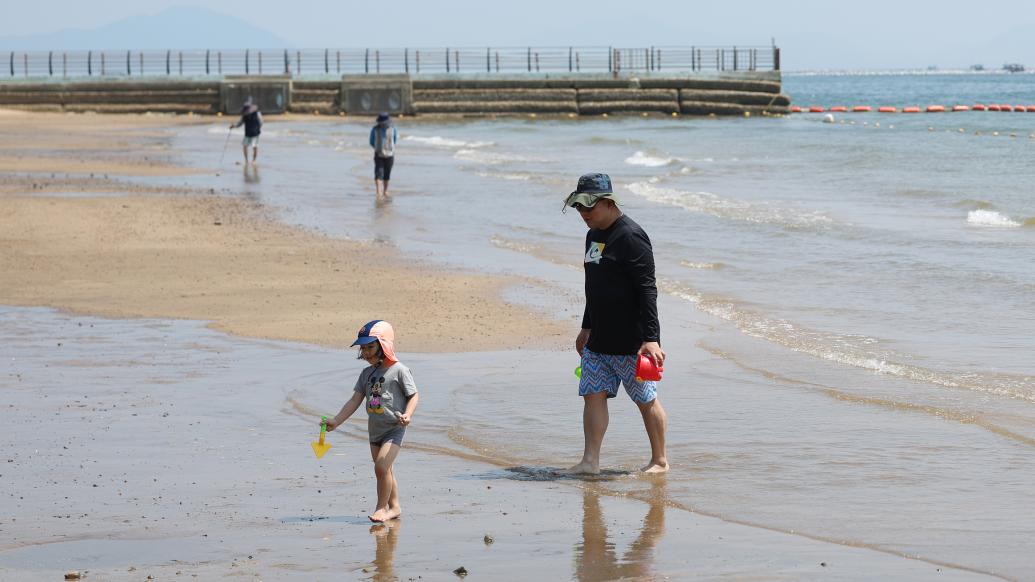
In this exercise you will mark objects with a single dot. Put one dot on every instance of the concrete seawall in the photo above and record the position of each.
(730, 93)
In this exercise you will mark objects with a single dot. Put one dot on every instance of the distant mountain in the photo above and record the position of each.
(181, 27)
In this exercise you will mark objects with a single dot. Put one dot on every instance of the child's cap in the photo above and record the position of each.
(380, 331)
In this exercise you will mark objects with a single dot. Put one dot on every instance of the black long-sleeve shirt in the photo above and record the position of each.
(621, 293)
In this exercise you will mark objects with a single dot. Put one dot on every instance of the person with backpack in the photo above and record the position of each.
(382, 138)
(251, 119)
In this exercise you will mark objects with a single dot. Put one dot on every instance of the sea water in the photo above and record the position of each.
(846, 303)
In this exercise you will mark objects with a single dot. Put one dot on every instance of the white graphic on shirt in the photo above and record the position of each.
(595, 252)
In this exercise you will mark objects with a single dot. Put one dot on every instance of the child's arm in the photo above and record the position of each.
(346, 411)
(411, 406)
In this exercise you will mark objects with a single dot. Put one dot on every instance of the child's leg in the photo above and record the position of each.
(383, 457)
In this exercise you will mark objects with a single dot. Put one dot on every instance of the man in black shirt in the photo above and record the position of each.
(251, 119)
(620, 321)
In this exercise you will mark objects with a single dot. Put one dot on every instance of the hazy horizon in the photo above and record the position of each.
(882, 36)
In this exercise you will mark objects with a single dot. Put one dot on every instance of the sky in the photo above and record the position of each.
(812, 35)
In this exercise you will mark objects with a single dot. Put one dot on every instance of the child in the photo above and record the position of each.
(391, 397)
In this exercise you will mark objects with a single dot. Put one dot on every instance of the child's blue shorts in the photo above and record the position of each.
(602, 372)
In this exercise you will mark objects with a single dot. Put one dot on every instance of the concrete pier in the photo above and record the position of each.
(718, 93)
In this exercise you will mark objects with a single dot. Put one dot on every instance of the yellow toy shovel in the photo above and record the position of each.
(320, 447)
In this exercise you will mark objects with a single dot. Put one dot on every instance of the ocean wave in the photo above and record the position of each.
(991, 218)
(692, 265)
(515, 176)
(445, 142)
(642, 159)
(972, 204)
(599, 139)
(238, 131)
(492, 158)
(708, 203)
(852, 350)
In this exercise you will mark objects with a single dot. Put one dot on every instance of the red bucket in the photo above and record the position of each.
(646, 370)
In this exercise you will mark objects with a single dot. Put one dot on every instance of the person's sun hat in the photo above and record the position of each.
(378, 331)
(382, 117)
(591, 189)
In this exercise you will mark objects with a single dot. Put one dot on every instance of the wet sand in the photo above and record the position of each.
(138, 445)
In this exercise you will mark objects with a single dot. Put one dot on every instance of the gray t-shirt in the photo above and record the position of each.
(386, 392)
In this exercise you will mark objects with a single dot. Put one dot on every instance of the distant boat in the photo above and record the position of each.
(977, 67)
(1013, 68)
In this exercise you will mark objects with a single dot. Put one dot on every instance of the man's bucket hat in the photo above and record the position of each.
(590, 190)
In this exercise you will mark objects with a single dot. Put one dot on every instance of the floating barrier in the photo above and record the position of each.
(914, 108)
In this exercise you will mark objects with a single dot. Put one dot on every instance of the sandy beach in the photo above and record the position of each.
(168, 350)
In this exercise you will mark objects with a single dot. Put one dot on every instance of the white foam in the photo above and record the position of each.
(641, 159)
(221, 130)
(991, 218)
(444, 142)
(714, 205)
(491, 158)
(506, 176)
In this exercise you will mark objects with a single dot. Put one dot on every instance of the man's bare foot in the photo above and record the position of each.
(383, 515)
(653, 467)
(583, 468)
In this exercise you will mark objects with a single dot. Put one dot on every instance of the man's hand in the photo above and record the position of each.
(404, 419)
(653, 351)
(331, 425)
(580, 340)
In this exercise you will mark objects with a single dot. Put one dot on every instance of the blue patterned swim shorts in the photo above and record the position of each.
(602, 372)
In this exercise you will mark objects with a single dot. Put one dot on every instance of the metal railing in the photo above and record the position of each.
(415, 61)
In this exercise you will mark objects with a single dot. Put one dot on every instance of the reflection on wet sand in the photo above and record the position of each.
(251, 174)
(386, 535)
(595, 556)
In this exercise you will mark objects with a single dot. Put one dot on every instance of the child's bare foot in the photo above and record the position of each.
(655, 467)
(383, 515)
(583, 468)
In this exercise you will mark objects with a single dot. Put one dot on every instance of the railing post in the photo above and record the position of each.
(488, 60)
(103, 71)
(298, 62)
(646, 59)
(537, 61)
(50, 63)
(219, 63)
(529, 59)
(64, 65)
(578, 64)
(497, 61)
(417, 57)
(456, 59)
(377, 61)
(366, 61)
(141, 56)
(89, 63)
(720, 56)
(735, 58)
(337, 60)
(168, 71)
(326, 61)
(406, 60)
(25, 63)
(12, 63)
(447, 59)
(571, 63)
(128, 71)
(610, 56)
(657, 60)
(776, 59)
(179, 59)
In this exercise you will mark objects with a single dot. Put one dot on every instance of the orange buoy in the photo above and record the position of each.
(886, 109)
(935, 108)
(815, 109)
(1031, 109)
(838, 109)
(795, 109)
(960, 108)
(978, 107)
(910, 110)
(862, 108)
(1005, 108)
(1020, 108)
(994, 108)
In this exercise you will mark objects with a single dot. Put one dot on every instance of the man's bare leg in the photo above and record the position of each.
(384, 190)
(244, 148)
(377, 187)
(594, 425)
(656, 422)
(255, 154)
(384, 457)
